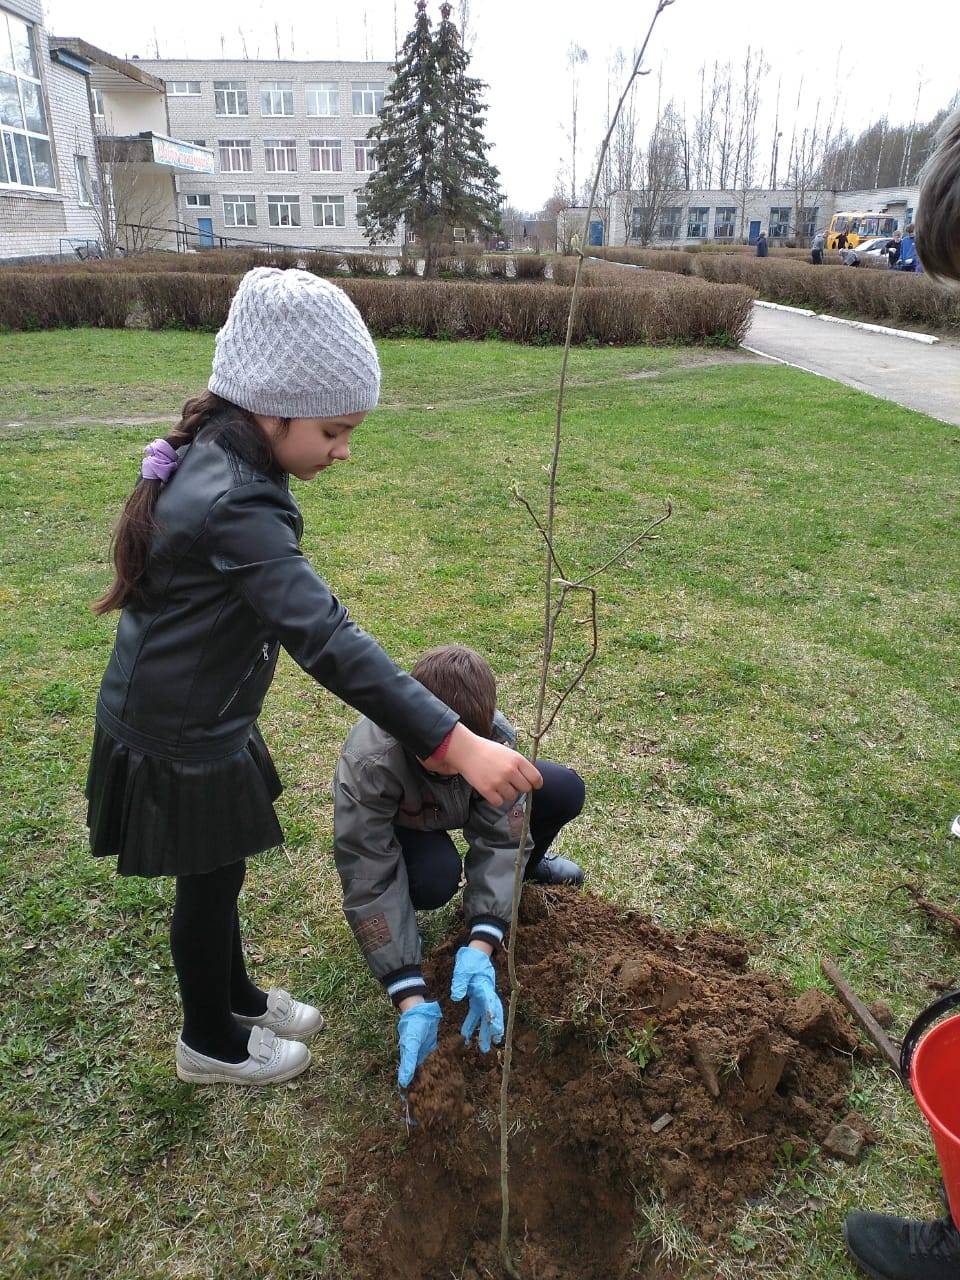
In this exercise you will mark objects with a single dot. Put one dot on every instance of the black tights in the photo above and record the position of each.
(208, 957)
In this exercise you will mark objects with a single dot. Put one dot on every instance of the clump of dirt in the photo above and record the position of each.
(644, 1063)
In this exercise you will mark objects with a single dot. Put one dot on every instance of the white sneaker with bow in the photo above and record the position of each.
(271, 1060)
(285, 1016)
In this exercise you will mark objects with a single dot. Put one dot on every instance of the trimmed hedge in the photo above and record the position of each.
(892, 297)
(676, 260)
(29, 300)
(662, 310)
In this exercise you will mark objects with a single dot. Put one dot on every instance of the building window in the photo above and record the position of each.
(640, 222)
(276, 98)
(670, 223)
(98, 103)
(199, 142)
(241, 211)
(697, 222)
(195, 201)
(779, 222)
(725, 218)
(183, 88)
(85, 192)
(362, 205)
(230, 97)
(236, 155)
(367, 97)
(323, 98)
(365, 155)
(280, 155)
(807, 221)
(283, 211)
(326, 155)
(328, 211)
(25, 156)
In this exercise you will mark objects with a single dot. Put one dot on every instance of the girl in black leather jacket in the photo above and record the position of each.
(210, 583)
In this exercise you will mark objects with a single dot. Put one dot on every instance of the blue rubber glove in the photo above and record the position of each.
(474, 976)
(417, 1032)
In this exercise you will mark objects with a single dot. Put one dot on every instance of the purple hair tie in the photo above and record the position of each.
(160, 461)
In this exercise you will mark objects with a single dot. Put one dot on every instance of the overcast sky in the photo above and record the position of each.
(878, 53)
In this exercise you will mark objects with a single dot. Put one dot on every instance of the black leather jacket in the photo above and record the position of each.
(226, 586)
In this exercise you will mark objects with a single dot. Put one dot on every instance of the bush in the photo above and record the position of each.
(198, 301)
(366, 264)
(677, 311)
(675, 260)
(37, 300)
(495, 267)
(530, 266)
(323, 263)
(890, 297)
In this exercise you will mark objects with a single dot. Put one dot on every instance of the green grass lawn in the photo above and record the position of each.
(769, 741)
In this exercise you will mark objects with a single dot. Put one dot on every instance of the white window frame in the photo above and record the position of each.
(230, 98)
(364, 155)
(322, 204)
(362, 205)
(724, 227)
(780, 224)
(367, 97)
(280, 155)
(183, 88)
(807, 220)
(638, 214)
(97, 95)
(21, 144)
(674, 222)
(86, 191)
(231, 149)
(698, 221)
(196, 200)
(322, 93)
(275, 97)
(283, 206)
(233, 203)
(326, 155)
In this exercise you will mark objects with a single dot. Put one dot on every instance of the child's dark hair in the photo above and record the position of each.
(137, 525)
(464, 681)
(938, 211)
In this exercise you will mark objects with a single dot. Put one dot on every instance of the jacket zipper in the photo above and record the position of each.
(262, 656)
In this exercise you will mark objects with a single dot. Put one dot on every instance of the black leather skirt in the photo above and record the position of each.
(162, 817)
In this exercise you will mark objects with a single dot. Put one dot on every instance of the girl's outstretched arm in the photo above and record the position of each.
(499, 773)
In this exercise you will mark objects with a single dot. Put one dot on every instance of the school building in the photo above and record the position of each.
(692, 217)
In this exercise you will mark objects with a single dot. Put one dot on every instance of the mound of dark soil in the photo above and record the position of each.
(645, 1063)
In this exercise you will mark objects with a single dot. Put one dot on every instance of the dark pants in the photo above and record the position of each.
(434, 866)
(816, 257)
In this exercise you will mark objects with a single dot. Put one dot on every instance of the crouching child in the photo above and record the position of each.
(395, 857)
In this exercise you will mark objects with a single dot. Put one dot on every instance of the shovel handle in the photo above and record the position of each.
(926, 1019)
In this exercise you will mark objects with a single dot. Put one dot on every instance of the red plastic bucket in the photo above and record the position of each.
(935, 1080)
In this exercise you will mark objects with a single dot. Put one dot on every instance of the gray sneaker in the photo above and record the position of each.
(287, 1017)
(271, 1061)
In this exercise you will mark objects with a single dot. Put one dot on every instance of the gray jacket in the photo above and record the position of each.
(379, 785)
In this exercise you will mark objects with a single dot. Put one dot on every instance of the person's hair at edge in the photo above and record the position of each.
(938, 209)
(136, 527)
(463, 680)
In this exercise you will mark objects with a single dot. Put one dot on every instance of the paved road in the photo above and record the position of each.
(910, 373)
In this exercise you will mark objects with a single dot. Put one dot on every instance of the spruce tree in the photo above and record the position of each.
(470, 194)
(432, 168)
(405, 183)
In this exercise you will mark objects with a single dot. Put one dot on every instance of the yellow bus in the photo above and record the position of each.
(860, 226)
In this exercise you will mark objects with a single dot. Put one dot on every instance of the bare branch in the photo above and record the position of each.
(533, 516)
(641, 537)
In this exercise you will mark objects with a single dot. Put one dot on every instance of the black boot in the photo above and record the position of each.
(552, 869)
(890, 1248)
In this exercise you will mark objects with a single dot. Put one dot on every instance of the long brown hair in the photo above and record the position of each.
(137, 525)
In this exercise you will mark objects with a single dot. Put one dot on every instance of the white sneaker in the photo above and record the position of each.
(271, 1061)
(955, 826)
(286, 1016)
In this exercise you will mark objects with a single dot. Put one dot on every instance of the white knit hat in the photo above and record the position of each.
(295, 346)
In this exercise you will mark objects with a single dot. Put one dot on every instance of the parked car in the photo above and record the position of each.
(875, 248)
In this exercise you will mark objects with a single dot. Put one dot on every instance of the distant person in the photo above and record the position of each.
(763, 248)
(893, 251)
(816, 249)
(908, 251)
(884, 1246)
(842, 240)
(850, 257)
